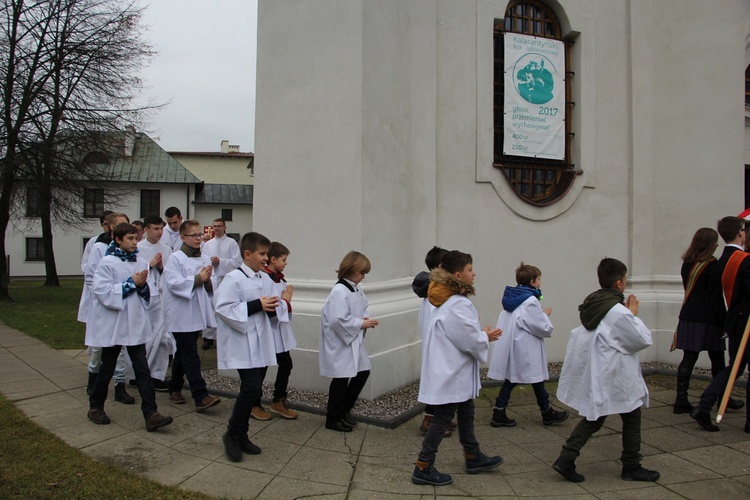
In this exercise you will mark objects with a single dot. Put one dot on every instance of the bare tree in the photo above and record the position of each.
(69, 81)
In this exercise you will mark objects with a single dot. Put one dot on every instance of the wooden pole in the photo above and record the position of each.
(733, 374)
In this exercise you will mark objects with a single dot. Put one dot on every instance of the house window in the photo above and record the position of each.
(85, 242)
(34, 249)
(234, 236)
(150, 202)
(33, 203)
(537, 181)
(747, 87)
(226, 213)
(93, 202)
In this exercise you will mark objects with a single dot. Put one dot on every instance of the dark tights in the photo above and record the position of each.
(689, 359)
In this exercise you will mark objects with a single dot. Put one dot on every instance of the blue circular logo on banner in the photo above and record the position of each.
(532, 79)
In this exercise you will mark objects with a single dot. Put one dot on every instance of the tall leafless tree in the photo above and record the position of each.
(69, 82)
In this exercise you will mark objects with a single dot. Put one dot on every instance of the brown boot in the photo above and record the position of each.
(279, 408)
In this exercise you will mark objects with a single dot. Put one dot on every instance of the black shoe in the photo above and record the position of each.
(98, 416)
(482, 462)
(500, 419)
(349, 420)
(248, 447)
(90, 383)
(122, 396)
(232, 447)
(430, 475)
(704, 420)
(338, 426)
(553, 416)
(639, 474)
(156, 420)
(735, 404)
(160, 385)
(682, 406)
(207, 344)
(567, 469)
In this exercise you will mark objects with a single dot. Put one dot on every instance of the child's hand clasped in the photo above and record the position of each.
(269, 303)
(370, 323)
(492, 333)
(287, 293)
(205, 273)
(632, 303)
(140, 278)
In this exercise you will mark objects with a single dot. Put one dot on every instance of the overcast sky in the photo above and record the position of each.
(206, 67)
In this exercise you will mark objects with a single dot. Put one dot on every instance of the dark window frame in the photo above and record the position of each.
(93, 203)
(33, 202)
(34, 249)
(226, 214)
(147, 205)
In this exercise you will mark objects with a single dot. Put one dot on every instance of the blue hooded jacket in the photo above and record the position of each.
(514, 296)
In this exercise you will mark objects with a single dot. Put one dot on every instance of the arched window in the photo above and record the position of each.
(96, 157)
(537, 181)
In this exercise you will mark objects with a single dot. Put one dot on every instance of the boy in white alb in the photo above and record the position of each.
(225, 256)
(92, 241)
(244, 301)
(453, 347)
(118, 318)
(519, 357)
(171, 234)
(161, 343)
(601, 374)
(189, 291)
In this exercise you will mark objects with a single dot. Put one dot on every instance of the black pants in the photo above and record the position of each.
(143, 378)
(631, 438)
(187, 362)
(251, 387)
(689, 358)
(343, 393)
(442, 416)
(716, 388)
(284, 362)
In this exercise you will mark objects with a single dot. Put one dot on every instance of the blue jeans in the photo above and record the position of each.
(187, 363)
(442, 416)
(143, 378)
(251, 387)
(503, 397)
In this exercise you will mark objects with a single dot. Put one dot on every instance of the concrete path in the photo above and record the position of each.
(302, 459)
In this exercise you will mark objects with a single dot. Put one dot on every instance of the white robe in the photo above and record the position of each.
(519, 354)
(243, 341)
(87, 296)
(452, 350)
(189, 308)
(228, 252)
(342, 338)
(114, 320)
(601, 374)
(161, 344)
(171, 238)
(87, 252)
(425, 312)
(283, 335)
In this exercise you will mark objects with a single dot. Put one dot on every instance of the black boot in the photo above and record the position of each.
(122, 395)
(681, 403)
(90, 384)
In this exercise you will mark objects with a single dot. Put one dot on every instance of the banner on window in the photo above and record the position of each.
(534, 118)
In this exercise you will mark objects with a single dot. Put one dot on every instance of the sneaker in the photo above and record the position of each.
(98, 416)
(156, 420)
(232, 447)
(122, 396)
(430, 475)
(248, 447)
(160, 385)
(567, 469)
(639, 474)
(279, 408)
(553, 416)
(177, 398)
(704, 420)
(207, 403)
(482, 462)
(500, 419)
(259, 413)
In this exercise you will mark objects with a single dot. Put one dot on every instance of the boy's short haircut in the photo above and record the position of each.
(122, 229)
(353, 263)
(172, 211)
(138, 224)
(277, 250)
(221, 220)
(435, 257)
(526, 273)
(152, 220)
(116, 215)
(455, 261)
(186, 224)
(728, 227)
(104, 215)
(610, 271)
(252, 241)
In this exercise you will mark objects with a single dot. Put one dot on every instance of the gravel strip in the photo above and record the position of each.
(388, 405)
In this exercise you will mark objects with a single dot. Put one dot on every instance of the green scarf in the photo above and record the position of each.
(597, 305)
(191, 252)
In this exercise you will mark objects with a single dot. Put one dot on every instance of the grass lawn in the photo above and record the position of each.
(36, 464)
(45, 312)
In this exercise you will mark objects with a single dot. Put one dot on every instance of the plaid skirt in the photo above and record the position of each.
(699, 337)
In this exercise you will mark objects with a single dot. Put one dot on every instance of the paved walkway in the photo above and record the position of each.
(302, 459)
